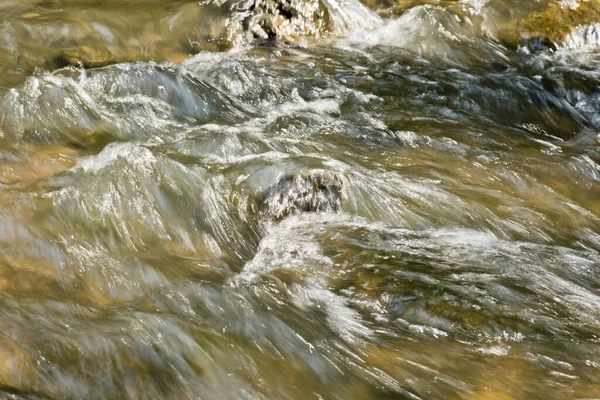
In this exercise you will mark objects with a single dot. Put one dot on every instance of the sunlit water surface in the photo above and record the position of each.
(135, 263)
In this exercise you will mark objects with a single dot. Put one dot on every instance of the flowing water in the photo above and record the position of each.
(136, 260)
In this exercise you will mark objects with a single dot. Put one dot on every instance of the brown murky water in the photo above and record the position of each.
(135, 261)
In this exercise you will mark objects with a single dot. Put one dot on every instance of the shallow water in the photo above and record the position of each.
(135, 262)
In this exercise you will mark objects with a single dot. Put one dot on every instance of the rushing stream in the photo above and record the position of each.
(151, 246)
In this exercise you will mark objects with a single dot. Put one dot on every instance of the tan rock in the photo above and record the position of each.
(549, 28)
(29, 15)
(96, 56)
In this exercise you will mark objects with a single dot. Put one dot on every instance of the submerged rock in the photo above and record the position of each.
(94, 56)
(303, 192)
(559, 25)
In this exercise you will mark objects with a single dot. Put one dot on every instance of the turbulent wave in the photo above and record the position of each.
(408, 212)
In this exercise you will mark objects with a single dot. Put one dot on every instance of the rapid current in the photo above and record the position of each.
(150, 246)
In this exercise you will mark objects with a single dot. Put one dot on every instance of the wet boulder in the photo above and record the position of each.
(556, 26)
(303, 192)
(286, 19)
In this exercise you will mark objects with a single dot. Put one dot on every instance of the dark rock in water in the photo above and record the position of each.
(303, 192)
(285, 19)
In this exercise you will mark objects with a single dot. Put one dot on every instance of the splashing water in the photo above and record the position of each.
(410, 210)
